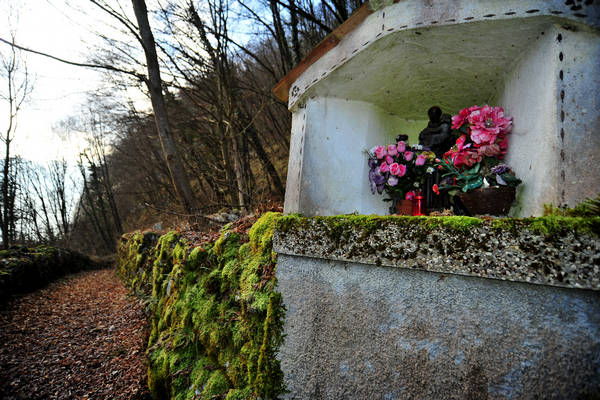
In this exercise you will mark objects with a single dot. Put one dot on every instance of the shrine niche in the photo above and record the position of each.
(379, 73)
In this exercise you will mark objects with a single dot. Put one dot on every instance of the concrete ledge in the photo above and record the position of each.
(557, 251)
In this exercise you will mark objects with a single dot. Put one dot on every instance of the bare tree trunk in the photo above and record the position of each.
(239, 176)
(266, 162)
(284, 49)
(295, 38)
(18, 90)
(179, 177)
(5, 197)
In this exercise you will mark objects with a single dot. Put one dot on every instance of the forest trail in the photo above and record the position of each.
(81, 337)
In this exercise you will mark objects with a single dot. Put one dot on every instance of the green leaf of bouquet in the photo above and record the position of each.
(473, 185)
(475, 169)
(510, 179)
(491, 162)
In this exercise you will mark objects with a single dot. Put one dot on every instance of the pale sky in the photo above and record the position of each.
(53, 27)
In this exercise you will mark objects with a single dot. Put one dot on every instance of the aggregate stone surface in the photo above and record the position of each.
(570, 259)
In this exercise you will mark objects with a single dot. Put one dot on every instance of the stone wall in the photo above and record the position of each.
(396, 308)
(215, 318)
(25, 269)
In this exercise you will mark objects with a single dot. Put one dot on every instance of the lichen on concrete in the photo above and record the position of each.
(552, 250)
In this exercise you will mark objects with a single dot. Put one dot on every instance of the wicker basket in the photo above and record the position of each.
(491, 200)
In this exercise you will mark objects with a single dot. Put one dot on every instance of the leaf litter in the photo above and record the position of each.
(82, 337)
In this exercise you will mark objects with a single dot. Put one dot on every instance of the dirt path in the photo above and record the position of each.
(79, 338)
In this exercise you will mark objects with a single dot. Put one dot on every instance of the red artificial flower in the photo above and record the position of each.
(459, 120)
(436, 189)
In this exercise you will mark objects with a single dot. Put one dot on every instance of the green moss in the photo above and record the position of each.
(210, 309)
(455, 223)
(554, 224)
(339, 228)
(217, 384)
(550, 225)
(587, 208)
(158, 375)
(237, 394)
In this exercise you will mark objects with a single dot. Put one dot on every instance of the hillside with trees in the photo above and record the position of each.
(215, 138)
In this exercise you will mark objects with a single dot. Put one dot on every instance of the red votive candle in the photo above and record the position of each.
(418, 206)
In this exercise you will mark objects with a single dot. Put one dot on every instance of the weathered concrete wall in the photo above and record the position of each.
(579, 114)
(530, 96)
(404, 308)
(553, 94)
(357, 331)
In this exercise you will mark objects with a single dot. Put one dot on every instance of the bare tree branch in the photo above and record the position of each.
(108, 67)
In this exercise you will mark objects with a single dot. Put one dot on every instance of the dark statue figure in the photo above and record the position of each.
(437, 137)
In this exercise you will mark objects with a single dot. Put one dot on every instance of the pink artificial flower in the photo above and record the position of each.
(380, 152)
(408, 155)
(473, 113)
(482, 135)
(421, 158)
(401, 147)
(489, 150)
(398, 169)
(389, 159)
(488, 123)
(392, 150)
(410, 195)
(384, 167)
(459, 120)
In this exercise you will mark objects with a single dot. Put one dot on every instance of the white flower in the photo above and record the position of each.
(416, 184)
(418, 147)
(429, 170)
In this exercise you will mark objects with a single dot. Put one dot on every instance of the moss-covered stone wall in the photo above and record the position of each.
(216, 317)
(23, 269)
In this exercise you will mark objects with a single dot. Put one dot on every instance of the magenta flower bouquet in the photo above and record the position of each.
(482, 143)
(399, 170)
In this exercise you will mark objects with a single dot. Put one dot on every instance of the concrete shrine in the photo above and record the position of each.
(378, 73)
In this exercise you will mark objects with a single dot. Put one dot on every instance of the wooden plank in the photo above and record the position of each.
(282, 89)
(351, 23)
